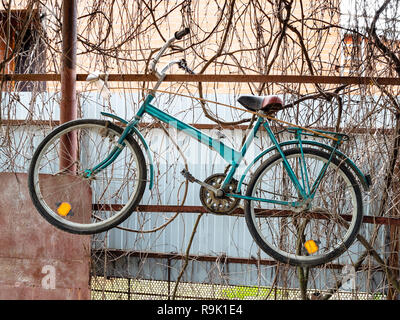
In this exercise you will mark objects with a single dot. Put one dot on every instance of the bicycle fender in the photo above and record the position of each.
(150, 158)
(143, 140)
(364, 179)
(113, 116)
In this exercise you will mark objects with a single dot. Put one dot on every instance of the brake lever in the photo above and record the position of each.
(95, 77)
(183, 65)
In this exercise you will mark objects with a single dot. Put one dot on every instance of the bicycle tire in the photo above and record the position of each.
(289, 248)
(40, 165)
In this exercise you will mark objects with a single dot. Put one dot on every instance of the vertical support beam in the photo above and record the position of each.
(394, 235)
(169, 277)
(393, 260)
(68, 147)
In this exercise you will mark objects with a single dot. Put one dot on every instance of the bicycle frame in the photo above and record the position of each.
(230, 155)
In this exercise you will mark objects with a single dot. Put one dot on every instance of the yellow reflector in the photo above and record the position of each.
(311, 246)
(63, 209)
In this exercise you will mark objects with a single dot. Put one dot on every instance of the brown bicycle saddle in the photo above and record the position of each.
(268, 104)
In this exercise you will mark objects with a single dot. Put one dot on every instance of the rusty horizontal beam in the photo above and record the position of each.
(210, 126)
(266, 213)
(349, 80)
(239, 212)
(20, 122)
(203, 126)
(116, 253)
(223, 259)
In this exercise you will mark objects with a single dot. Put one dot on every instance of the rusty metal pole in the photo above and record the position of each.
(68, 108)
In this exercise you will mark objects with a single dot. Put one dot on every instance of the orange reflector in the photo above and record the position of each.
(64, 208)
(311, 246)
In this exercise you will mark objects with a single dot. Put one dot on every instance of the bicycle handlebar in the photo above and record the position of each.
(177, 36)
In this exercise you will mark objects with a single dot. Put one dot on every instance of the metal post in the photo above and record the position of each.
(68, 148)
(169, 277)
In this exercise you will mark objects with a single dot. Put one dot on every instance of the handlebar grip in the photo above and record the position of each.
(180, 34)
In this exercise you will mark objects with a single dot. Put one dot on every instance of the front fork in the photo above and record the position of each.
(89, 173)
(115, 152)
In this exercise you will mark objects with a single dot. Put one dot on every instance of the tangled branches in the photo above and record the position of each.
(281, 37)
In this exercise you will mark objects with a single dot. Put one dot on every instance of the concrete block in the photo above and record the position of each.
(37, 260)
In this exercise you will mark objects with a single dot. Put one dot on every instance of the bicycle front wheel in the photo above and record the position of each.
(70, 199)
(312, 234)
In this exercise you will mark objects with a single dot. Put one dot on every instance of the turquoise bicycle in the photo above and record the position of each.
(303, 204)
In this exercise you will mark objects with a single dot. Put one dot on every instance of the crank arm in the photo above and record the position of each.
(189, 177)
(209, 187)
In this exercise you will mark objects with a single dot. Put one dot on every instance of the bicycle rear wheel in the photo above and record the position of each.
(316, 233)
(70, 200)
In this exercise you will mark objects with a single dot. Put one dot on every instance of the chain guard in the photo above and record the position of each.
(215, 204)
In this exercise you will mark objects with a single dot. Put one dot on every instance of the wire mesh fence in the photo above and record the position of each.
(155, 276)
(135, 289)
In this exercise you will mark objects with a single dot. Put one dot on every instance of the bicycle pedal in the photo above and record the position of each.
(188, 176)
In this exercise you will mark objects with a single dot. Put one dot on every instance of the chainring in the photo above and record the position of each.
(215, 204)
